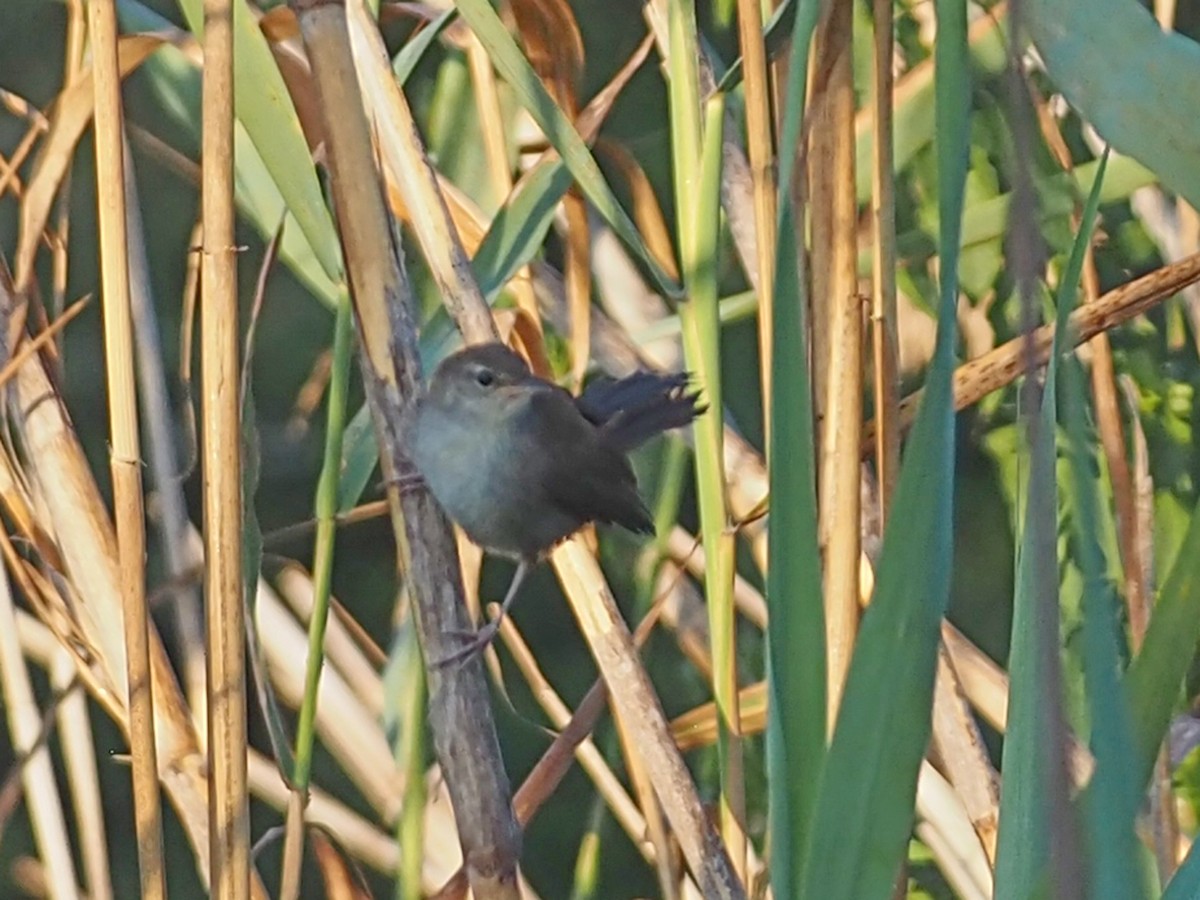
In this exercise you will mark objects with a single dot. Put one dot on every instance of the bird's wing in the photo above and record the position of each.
(582, 473)
(629, 411)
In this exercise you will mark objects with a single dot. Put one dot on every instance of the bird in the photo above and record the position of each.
(520, 464)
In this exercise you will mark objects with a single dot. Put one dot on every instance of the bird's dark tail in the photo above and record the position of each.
(632, 410)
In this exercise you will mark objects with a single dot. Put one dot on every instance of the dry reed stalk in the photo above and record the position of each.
(997, 368)
(837, 334)
(125, 453)
(229, 811)
(459, 710)
(70, 510)
(72, 65)
(884, 323)
(169, 506)
(65, 520)
(757, 91)
(554, 763)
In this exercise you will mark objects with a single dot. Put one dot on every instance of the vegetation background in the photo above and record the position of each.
(1020, 134)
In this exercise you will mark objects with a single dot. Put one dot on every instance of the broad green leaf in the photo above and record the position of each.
(410, 54)
(519, 229)
(1130, 79)
(360, 454)
(987, 221)
(175, 81)
(1024, 820)
(559, 130)
(864, 806)
(264, 108)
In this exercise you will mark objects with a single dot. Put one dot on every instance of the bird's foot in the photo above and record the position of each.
(405, 482)
(475, 642)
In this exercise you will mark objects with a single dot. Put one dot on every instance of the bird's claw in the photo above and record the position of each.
(475, 642)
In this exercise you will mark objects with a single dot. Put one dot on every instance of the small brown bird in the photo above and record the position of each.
(521, 465)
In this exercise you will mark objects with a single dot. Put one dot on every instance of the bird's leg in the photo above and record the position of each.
(479, 640)
(405, 482)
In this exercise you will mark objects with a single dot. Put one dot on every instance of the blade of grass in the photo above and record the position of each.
(325, 511)
(796, 665)
(701, 342)
(1186, 883)
(696, 158)
(1112, 802)
(864, 807)
(1034, 722)
(411, 53)
(559, 131)
(174, 77)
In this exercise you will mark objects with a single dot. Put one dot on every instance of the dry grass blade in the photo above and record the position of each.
(554, 46)
(78, 749)
(37, 773)
(348, 729)
(1164, 818)
(944, 827)
(72, 113)
(495, 146)
(963, 755)
(339, 877)
(44, 648)
(125, 454)
(647, 212)
(837, 343)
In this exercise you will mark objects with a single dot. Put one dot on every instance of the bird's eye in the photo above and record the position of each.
(485, 377)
